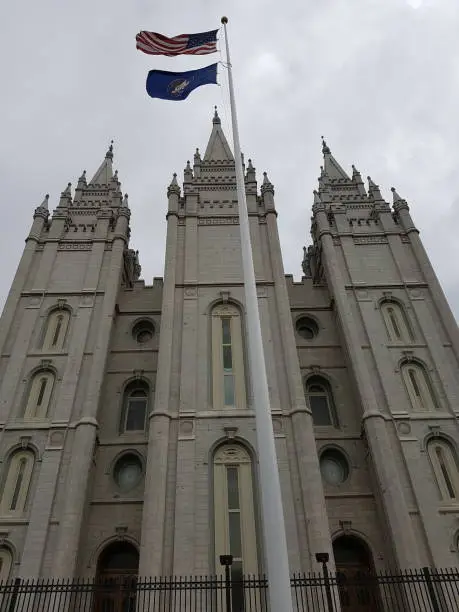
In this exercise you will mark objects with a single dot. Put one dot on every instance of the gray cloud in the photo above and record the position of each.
(380, 78)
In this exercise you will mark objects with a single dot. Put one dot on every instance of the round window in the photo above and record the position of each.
(128, 472)
(333, 467)
(307, 328)
(143, 331)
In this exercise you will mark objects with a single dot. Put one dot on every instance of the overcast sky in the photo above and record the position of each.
(379, 78)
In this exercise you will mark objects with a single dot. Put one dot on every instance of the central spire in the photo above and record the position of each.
(104, 173)
(217, 147)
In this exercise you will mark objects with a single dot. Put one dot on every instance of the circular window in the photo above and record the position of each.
(128, 472)
(143, 331)
(333, 467)
(307, 328)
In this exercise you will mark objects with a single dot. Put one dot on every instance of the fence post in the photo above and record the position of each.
(431, 589)
(323, 558)
(14, 595)
(227, 561)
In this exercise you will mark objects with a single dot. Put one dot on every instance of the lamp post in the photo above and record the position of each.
(323, 558)
(227, 561)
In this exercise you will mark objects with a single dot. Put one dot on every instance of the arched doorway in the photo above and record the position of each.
(358, 590)
(117, 569)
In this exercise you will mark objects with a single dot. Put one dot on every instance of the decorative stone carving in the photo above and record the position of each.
(191, 292)
(218, 220)
(25, 441)
(232, 454)
(230, 432)
(404, 428)
(186, 427)
(56, 439)
(346, 526)
(121, 532)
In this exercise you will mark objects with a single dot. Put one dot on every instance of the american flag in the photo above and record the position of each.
(184, 44)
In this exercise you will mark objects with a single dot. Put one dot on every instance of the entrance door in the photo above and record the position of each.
(116, 578)
(358, 589)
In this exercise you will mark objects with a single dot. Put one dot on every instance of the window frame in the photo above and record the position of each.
(49, 343)
(10, 482)
(319, 380)
(131, 388)
(38, 399)
(400, 317)
(230, 456)
(5, 574)
(219, 313)
(418, 386)
(450, 464)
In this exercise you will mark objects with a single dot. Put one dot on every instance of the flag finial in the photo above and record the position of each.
(224, 20)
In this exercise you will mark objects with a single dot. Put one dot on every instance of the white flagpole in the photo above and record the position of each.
(275, 543)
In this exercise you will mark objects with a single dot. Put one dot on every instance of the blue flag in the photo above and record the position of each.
(178, 85)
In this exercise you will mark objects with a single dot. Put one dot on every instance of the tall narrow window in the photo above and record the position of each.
(445, 466)
(234, 511)
(16, 483)
(396, 322)
(39, 395)
(227, 358)
(320, 399)
(419, 387)
(135, 401)
(56, 329)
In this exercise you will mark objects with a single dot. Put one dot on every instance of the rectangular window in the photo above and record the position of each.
(227, 354)
(135, 418)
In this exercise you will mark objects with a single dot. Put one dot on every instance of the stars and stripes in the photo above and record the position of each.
(184, 44)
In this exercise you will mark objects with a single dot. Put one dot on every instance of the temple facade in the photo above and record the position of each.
(128, 440)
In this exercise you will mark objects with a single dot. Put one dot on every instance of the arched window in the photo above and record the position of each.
(39, 396)
(320, 400)
(135, 402)
(16, 482)
(56, 329)
(445, 466)
(418, 386)
(396, 321)
(227, 358)
(235, 531)
(6, 561)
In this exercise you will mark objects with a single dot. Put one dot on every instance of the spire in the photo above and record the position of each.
(82, 181)
(373, 190)
(396, 198)
(197, 157)
(125, 203)
(266, 186)
(66, 196)
(104, 174)
(42, 210)
(44, 204)
(250, 176)
(331, 167)
(174, 186)
(187, 173)
(217, 147)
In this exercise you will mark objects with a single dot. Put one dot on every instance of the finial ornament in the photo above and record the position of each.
(395, 196)
(250, 167)
(325, 147)
(109, 153)
(216, 119)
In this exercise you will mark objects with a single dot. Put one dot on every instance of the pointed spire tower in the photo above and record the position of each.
(217, 147)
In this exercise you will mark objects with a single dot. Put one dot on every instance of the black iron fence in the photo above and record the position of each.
(425, 590)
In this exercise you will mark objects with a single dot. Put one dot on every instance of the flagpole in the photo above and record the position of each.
(275, 542)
